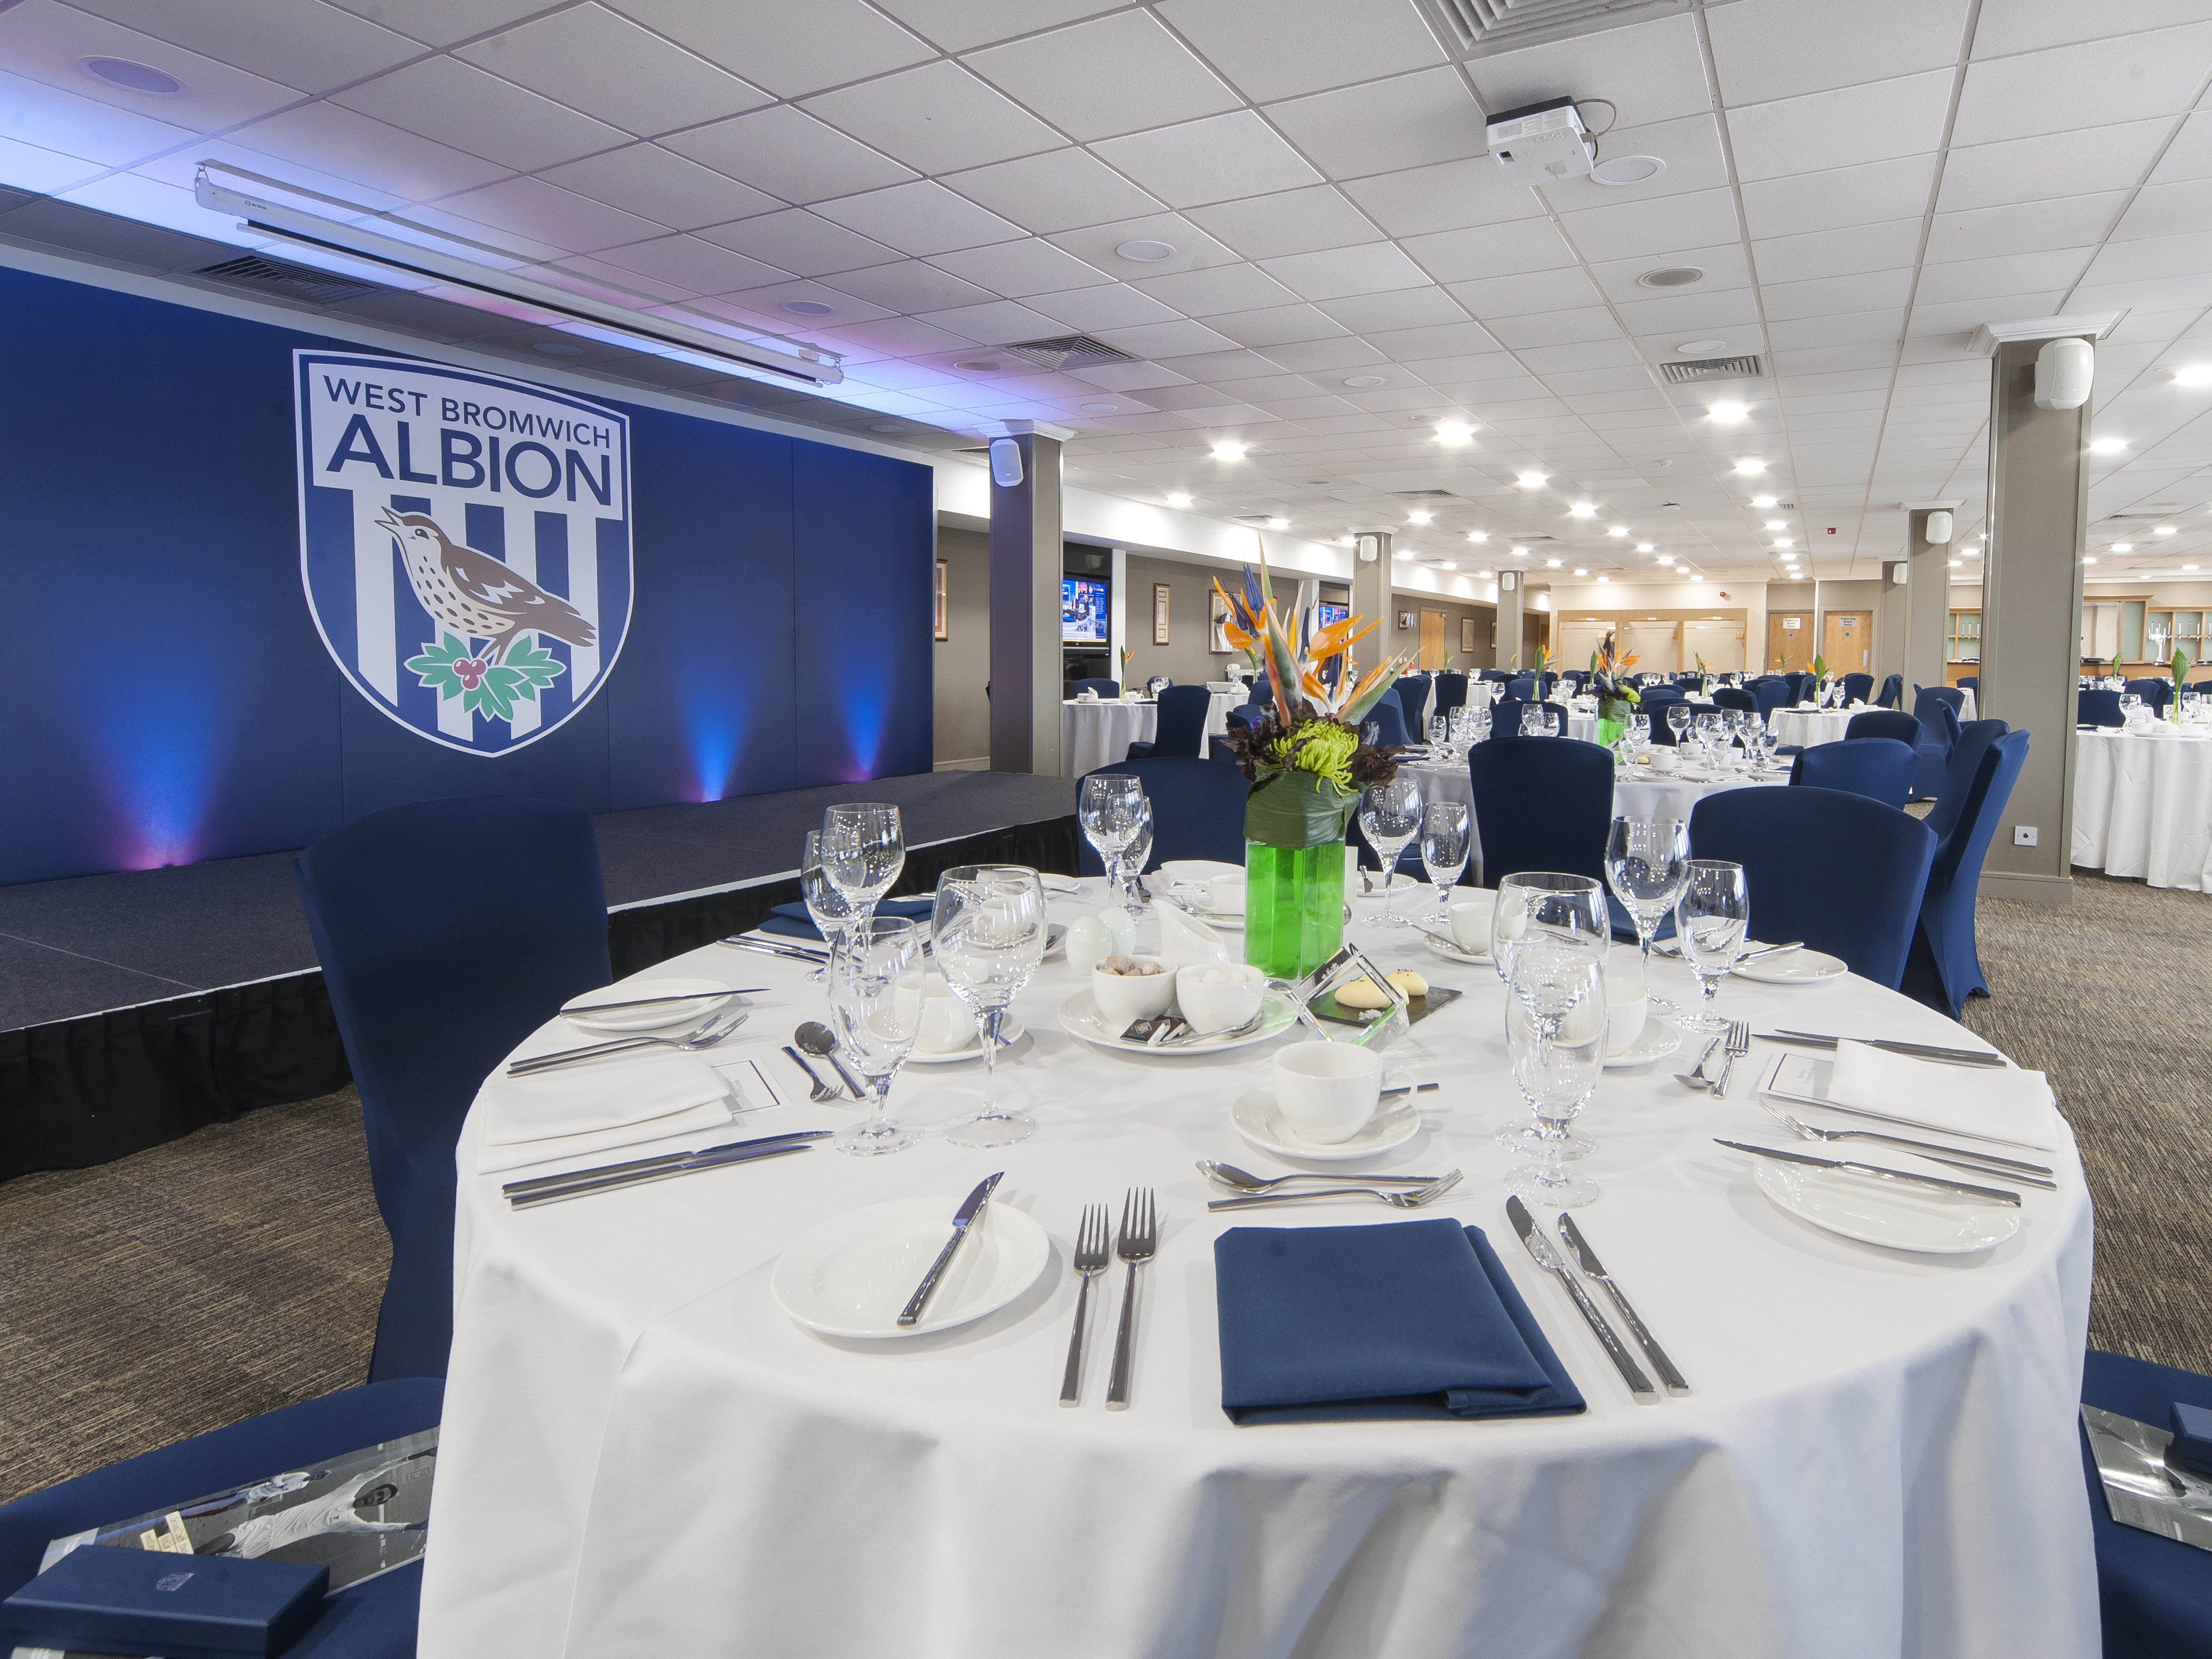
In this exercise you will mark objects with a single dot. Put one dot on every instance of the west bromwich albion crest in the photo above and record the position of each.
(465, 543)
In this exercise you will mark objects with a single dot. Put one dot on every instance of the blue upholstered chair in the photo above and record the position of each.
(1542, 807)
(1950, 696)
(1501, 675)
(1858, 687)
(1734, 696)
(371, 1620)
(1969, 682)
(2097, 707)
(1884, 723)
(1801, 685)
(1945, 968)
(1881, 768)
(1770, 695)
(1841, 872)
(1892, 695)
(1388, 712)
(1451, 692)
(1412, 691)
(1180, 726)
(2154, 1593)
(2156, 693)
(1505, 717)
(1198, 810)
(1104, 688)
(1974, 739)
(399, 903)
(1936, 708)
(1521, 687)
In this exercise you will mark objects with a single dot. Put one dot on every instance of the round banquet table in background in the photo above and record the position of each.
(1806, 727)
(2143, 807)
(1096, 734)
(641, 1454)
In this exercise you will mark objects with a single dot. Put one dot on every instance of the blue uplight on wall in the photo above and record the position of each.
(159, 768)
(713, 739)
(866, 705)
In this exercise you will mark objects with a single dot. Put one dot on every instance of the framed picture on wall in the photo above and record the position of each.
(1405, 619)
(1466, 632)
(1217, 617)
(944, 572)
(1159, 613)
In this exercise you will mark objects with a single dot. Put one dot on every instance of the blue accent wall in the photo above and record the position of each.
(164, 695)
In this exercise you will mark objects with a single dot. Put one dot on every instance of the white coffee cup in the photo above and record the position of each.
(1326, 1091)
(1664, 759)
(947, 1027)
(1471, 918)
(1125, 999)
(1625, 1010)
(1219, 996)
(1224, 896)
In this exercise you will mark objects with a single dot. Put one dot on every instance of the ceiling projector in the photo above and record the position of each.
(1541, 144)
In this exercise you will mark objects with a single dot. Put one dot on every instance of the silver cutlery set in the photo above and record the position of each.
(1548, 1257)
(1732, 1042)
(1134, 1244)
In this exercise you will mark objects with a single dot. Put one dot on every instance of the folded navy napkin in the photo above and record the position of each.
(793, 921)
(1410, 1319)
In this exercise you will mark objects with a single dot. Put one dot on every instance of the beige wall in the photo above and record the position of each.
(1185, 658)
(963, 661)
(1464, 662)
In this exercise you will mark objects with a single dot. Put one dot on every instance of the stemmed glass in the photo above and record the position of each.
(1135, 856)
(1640, 729)
(1390, 816)
(1440, 736)
(876, 998)
(1445, 841)
(831, 910)
(1551, 722)
(1678, 719)
(1555, 1032)
(863, 850)
(1712, 919)
(1646, 862)
(1556, 910)
(1107, 812)
(989, 934)
(1532, 720)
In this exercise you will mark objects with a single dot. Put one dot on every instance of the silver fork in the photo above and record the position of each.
(2013, 1169)
(1091, 1259)
(1139, 1238)
(1739, 1042)
(1412, 1201)
(704, 1035)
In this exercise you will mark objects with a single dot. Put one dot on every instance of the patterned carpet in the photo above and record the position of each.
(238, 1269)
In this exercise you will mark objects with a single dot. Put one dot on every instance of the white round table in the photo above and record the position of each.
(1806, 727)
(641, 1454)
(1096, 734)
(2142, 806)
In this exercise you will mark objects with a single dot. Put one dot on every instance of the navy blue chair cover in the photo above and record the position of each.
(1969, 682)
(1770, 695)
(1841, 872)
(1198, 810)
(1181, 727)
(1505, 717)
(2097, 707)
(1881, 768)
(2155, 693)
(1451, 692)
(1501, 675)
(1892, 692)
(1388, 713)
(2153, 1594)
(1801, 685)
(1945, 968)
(1950, 696)
(371, 1620)
(1732, 697)
(1936, 708)
(1104, 688)
(1974, 739)
(1858, 687)
(1246, 714)
(398, 902)
(1522, 686)
(1885, 723)
(1542, 807)
(1412, 691)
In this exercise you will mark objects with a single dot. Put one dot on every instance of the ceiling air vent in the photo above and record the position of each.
(267, 276)
(1486, 26)
(1711, 369)
(1421, 495)
(1068, 351)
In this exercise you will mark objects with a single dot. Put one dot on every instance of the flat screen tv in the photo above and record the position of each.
(1082, 611)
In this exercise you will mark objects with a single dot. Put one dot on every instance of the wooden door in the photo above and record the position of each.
(1789, 640)
(1847, 642)
(1435, 646)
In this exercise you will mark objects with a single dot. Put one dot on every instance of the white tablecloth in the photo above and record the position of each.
(1967, 709)
(2143, 807)
(1096, 734)
(640, 1456)
(1806, 728)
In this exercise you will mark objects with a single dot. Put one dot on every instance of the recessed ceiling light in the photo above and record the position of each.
(1583, 510)
(1363, 382)
(1647, 547)
(2195, 375)
(2088, 562)
(1146, 253)
(1532, 480)
(2123, 547)
(979, 366)
(2189, 567)
(1100, 409)
(133, 76)
(1671, 277)
(2107, 445)
(1176, 498)
(1420, 515)
(1451, 565)
(1627, 170)
(806, 308)
(1520, 552)
(1552, 563)
(1478, 535)
(1751, 465)
(1454, 433)
(1229, 451)
(1604, 579)
(1778, 524)
(2163, 530)
(1666, 558)
(1762, 501)
(1701, 347)
(1618, 530)
(1729, 414)
(1782, 541)
(1279, 524)
(1579, 571)
(556, 347)
(1955, 564)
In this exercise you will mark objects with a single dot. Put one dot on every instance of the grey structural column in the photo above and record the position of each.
(1926, 598)
(1026, 561)
(1889, 621)
(1371, 598)
(1512, 595)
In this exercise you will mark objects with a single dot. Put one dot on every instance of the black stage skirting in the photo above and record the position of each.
(136, 1007)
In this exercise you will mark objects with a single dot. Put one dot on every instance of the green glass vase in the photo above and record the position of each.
(1293, 906)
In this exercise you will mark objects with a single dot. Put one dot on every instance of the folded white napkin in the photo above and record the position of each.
(601, 1107)
(2008, 1105)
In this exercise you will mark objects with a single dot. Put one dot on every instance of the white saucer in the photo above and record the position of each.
(1013, 1032)
(1451, 952)
(1196, 873)
(710, 995)
(1656, 1040)
(1079, 1016)
(1233, 920)
(1795, 968)
(1258, 1121)
(1876, 1212)
(851, 1275)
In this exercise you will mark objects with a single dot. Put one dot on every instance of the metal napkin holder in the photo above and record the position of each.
(2142, 1489)
(1316, 997)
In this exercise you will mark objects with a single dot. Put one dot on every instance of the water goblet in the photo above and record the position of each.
(1712, 920)
(1445, 843)
(1555, 1032)
(1551, 722)
(863, 850)
(1107, 812)
(1532, 720)
(1135, 856)
(876, 974)
(831, 910)
(1647, 861)
(988, 935)
(1677, 718)
(1390, 816)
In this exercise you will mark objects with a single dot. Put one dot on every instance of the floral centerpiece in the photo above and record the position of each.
(1307, 767)
(2178, 668)
(1820, 680)
(1616, 698)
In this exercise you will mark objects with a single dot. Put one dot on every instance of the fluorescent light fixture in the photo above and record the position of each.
(1782, 541)
(1279, 524)
(1666, 558)
(1450, 565)
(1605, 579)
(1478, 535)
(1751, 464)
(2189, 567)
(1420, 515)
(1452, 433)
(1579, 571)
(1618, 530)
(2123, 547)
(2163, 530)
(2195, 374)
(2107, 445)
(1520, 552)
(2089, 560)
(1727, 414)
(1583, 510)
(663, 336)
(1955, 564)
(1532, 480)
(1647, 547)
(1176, 498)
(1764, 500)
(1226, 451)
(1778, 524)
(1551, 564)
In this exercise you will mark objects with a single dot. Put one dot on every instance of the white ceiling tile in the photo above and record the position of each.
(27, 167)
(801, 242)
(42, 40)
(1724, 266)
(1691, 147)
(1882, 121)
(1093, 309)
(1516, 249)
(2167, 210)
(2022, 227)
(457, 104)
(1556, 327)
(660, 185)
(608, 67)
(1001, 322)
(910, 287)
(1173, 339)
(1129, 377)
(960, 25)
(1340, 273)
(1194, 248)
(1517, 296)
(2190, 155)
(2015, 273)
(301, 43)
(561, 218)
(48, 118)
(2153, 256)
(1218, 290)
(1961, 317)
(1319, 356)
(1437, 340)
(1870, 193)
(1838, 252)
(791, 49)
(1408, 121)
(1214, 160)
(1412, 307)
(1654, 71)
(1019, 268)
(338, 142)
(1210, 366)
(1448, 196)
(1624, 229)
(844, 311)
(688, 262)
(901, 335)
(1671, 319)
(788, 152)
(441, 22)
(1845, 329)
(1276, 325)
(2188, 289)
(1546, 360)
(1062, 190)
(1280, 48)
(2156, 73)
(1181, 396)
(1290, 222)
(1115, 74)
(1760, 45)
(936, 118)
(147, 201)
(2077, 163)
(1827, 296)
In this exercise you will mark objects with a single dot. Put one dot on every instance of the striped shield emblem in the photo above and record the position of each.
(465, 543)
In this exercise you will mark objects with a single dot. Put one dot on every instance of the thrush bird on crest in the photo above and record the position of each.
(478, 596)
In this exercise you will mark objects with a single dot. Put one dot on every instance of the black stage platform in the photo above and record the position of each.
(136, 1007)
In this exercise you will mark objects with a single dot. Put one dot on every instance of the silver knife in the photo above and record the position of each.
(738, 942)
(1546, 1258)
(962, 1219)
(570, 1177)
(688, 1166)
(1918, 1050)
(1880, 1171)
(1676, 1384)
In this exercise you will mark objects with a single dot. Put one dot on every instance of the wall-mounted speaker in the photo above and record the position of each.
(1005, 463)
(2064, 371)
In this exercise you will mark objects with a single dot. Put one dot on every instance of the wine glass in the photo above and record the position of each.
(1555, 1032)
(863, 850)
(1551, 722)
(1712, 919)
(1646, 862)
(831, 910)
(1678, 719)
(1440, 734)
(1640, 729)
(1532, 720)
(1540, 902)
(875, 973)
(1445, 847)
(1135, 856)
(989, 934)
(1390, 816)
(1108, 813)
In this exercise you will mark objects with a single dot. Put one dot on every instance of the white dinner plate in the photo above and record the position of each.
(1079, 1016)
(1258, 1121)
(706, 995)
(1795, 968)
(851, 1275)
(1196, 873)
(1656, 1040)
(1013, 1032)
(1877, 1211)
